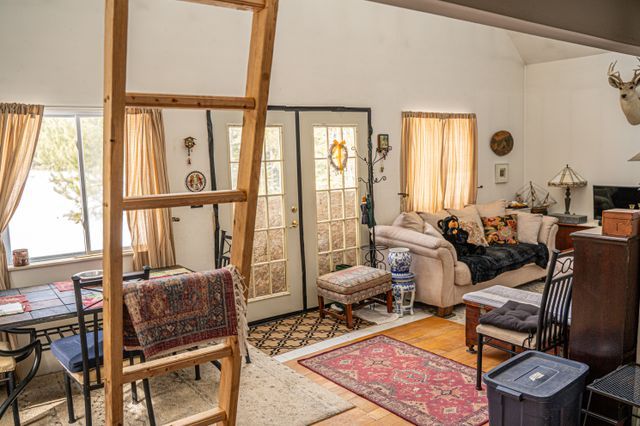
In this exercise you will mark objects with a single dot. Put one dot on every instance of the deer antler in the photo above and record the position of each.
(614, 76)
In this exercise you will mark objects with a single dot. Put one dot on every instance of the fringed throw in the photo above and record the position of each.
(179, 312)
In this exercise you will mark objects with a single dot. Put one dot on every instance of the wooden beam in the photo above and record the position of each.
(230, 381)
(162, 366)
(234, 4)
(263, 34)
(183, 199)
(188, 101)
(115, 66)
(206, 418)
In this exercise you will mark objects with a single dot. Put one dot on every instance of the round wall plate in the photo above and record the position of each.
(501, 143)
(195, 181)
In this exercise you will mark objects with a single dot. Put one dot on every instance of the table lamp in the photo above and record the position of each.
(568, 178)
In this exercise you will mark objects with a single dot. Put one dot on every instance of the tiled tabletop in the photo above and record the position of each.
(48, 304)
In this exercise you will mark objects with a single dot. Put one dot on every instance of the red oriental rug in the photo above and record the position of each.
(417, 385)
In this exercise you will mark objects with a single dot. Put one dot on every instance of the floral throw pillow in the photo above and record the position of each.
(476, 236)
(501, 229)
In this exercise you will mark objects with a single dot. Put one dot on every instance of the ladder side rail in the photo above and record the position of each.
(115, 65)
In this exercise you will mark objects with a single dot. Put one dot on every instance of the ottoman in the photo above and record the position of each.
(480, 302)
(351, 286)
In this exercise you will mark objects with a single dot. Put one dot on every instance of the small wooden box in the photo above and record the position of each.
(620, 222)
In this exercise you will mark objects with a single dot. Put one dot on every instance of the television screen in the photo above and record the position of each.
(614, 197)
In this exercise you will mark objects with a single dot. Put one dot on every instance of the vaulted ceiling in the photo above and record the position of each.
(534, 49)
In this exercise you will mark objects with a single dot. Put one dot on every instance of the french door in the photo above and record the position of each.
(276, 286)
(332, 194)
(291, 171)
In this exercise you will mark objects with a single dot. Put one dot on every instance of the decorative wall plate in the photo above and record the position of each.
(195, 181)
(501, 143)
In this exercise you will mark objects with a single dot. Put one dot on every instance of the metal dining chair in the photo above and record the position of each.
(9, 360)
(81, 355)
(552, 331)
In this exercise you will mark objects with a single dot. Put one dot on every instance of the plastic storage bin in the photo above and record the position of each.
(535, 388)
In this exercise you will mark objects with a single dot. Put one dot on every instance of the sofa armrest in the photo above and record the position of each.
(417, 242)
(548, 232)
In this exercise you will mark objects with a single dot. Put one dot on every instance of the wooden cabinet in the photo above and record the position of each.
(563, 238)
(604, 312)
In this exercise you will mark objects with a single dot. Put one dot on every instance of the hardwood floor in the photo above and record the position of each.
(434, 334)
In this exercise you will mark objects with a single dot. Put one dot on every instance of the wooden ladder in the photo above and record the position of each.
(254, 105)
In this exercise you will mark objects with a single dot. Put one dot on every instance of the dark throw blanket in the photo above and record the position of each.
(513, 316)
(502, 258)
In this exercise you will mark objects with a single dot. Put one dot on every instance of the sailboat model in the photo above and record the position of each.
(536, 197)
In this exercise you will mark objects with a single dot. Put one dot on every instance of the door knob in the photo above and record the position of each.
(294, 224)
(294, 209)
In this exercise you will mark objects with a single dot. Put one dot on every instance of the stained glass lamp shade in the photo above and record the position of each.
(567, 178)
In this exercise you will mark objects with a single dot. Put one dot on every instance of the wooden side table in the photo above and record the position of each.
(563, 238)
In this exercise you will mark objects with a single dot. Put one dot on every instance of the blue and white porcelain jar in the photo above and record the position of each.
(399, 260)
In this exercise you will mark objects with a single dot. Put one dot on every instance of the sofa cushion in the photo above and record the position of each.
(495, 208)
(501, 229)
(433, 218)
(431, 231)
(545, 228)
(462, 274)
(469, 214)
(409, 220)
(529, 227)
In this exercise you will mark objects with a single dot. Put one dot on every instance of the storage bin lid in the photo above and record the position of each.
(536, 375)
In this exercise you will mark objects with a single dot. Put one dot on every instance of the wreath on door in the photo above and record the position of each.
(338, 154)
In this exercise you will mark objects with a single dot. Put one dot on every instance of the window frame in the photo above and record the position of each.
(77, 115)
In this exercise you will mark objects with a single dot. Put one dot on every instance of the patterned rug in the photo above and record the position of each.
(284, 335)
(415, 384)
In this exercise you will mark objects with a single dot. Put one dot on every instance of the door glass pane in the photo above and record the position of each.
(337, 209)
(269, 251)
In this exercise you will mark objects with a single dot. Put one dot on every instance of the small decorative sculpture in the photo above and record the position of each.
(629, 99)
(189, 143)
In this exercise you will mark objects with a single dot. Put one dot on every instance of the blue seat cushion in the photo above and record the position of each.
(69, 352)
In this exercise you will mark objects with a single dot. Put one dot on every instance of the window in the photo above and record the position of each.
(439, 161)
(60, 212)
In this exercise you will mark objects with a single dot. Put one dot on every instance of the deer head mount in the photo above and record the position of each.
(629, 98)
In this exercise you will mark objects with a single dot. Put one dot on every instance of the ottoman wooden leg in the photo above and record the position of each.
(389, 301)
(321, 306)
(349, 315)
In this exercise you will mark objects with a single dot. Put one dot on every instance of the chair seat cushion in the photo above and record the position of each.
(354, 280)
(68, 351)
(513, 316)
(514, 337)
(7, 363)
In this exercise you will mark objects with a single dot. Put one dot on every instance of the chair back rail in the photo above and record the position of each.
(94, 285)
(553, 317)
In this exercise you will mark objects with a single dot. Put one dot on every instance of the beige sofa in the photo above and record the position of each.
(441, 280)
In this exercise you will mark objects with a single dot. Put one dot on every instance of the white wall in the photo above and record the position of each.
(329, 52)
(573, 116)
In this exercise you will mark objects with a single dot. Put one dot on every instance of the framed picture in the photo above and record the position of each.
(502, 173)
(383, 142)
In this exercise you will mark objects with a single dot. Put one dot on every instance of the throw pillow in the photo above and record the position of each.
(433, 218)
(468, 214)
(409, 220)
(529, 227)
(496, 208)
(476, 234)
(501, 229)
(431, 231)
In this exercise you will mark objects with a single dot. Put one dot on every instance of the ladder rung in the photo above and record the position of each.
(161, 366)
(159, 100)
(183, 199)
(234, 4)
(204, 418)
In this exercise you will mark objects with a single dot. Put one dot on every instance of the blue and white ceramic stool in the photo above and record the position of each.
(403, 286)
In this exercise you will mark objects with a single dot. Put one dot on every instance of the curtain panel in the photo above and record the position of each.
(146, 174)
(19, 130)
(439, 160)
